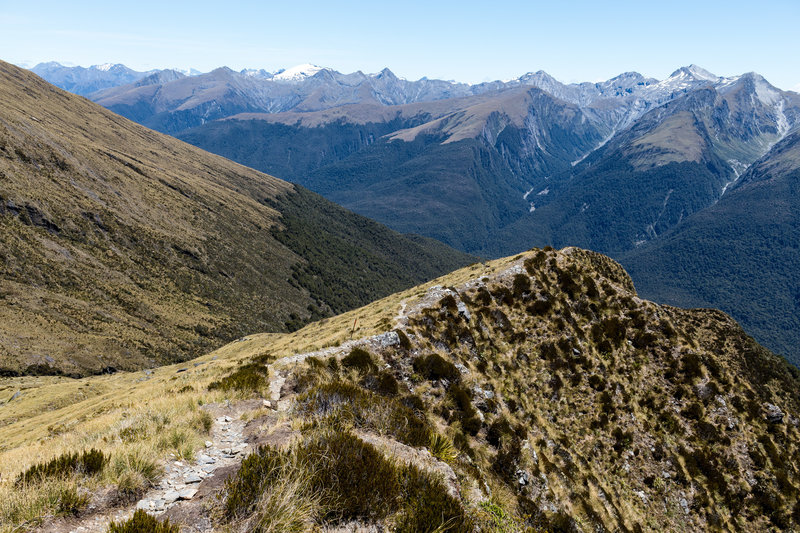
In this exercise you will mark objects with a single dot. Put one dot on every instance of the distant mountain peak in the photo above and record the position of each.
(385, 73)
(256, 73)
(159, 77)
(298, 73)
(188, 71)
(694, 72)
(105, 67)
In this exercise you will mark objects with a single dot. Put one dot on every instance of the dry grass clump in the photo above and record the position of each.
(88, 463)
(340, 404)
(133, 442)
(134, 471)
(249, 378)
(334, 477)
(141, 522)
(26, 506)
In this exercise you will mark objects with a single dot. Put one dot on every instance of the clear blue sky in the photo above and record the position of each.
(462, 40)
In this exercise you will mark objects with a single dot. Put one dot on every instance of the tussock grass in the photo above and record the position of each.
(442, 448)
(334, 477)
(141, 522)
(125, 414)
(341, 405)
(26, 506)
(133, 441)
(88, 463)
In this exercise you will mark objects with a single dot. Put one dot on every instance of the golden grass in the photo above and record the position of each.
(54, 415)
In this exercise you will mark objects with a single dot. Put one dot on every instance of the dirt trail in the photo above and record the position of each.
(181, 492)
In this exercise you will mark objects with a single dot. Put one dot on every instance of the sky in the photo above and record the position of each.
(465, 40)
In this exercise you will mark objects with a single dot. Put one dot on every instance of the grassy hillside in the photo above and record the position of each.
(535, 392)
(122, 247)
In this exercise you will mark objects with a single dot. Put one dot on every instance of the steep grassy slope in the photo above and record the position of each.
(742, 255)
(121, 247)
(547, 393)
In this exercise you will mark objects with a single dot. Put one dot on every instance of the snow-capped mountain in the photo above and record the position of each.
(83, 81)
(256, 73)
(188, 71)
(298, 73)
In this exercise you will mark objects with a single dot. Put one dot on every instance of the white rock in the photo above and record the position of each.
(144, 505)
(187, 494)
(171, 496)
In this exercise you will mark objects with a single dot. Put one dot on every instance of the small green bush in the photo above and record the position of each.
(442, 448)
(405, 342)
(344, 403)
(71, 502)
(360, 360)
(597, 382)
(540, 306)
(383, 383)
(668, 421)
(427, 506)
(356, 480)
(141, 522)
(691, 366)
(412, 401)
(449, 302)
(614, 330)
(622, 439)
(521, 285)
(87, 463)
(497, 430)
(249, 378)
(468, 415)
(694, 411)
(507, 460)
(434, 367)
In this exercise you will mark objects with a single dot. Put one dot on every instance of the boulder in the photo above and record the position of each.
(774, 415)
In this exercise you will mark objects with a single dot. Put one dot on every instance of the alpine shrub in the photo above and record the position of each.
(434, 367)
(141, 522)
(360, 360)
(88, 463)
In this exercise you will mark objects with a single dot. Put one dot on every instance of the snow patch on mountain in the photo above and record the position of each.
(766, 93)
(298, 73)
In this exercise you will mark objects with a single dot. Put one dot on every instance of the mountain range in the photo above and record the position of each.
(497, 167)
(125, 248)
(535, 392)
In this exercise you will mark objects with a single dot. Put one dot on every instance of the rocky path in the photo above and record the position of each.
(183, 478)
(180, 494)
(224, 448)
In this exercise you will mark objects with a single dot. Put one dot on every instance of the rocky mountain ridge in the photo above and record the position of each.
(531, 392)
(495, 168)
